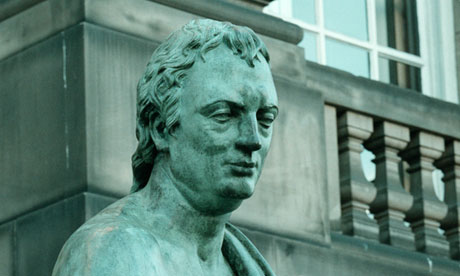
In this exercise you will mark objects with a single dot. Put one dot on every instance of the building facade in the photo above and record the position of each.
(68, 72)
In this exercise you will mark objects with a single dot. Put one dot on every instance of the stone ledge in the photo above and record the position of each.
(26, 22)
(418, 263)
(223, 10)
(252, 4)
(345, 256)
(383, 101)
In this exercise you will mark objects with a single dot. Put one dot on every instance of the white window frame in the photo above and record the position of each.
(436, 60)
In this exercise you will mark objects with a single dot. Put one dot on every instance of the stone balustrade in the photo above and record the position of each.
(450, 165)
(392, 201)
(411, 217)
(427, 211)
(356, 192)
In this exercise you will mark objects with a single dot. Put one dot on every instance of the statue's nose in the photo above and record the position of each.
(249, 139)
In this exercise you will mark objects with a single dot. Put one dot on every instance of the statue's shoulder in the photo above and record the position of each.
(111, 243)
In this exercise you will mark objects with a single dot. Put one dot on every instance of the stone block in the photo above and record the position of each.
(74, 113)
(41, 235)
(42, 120)
(114, 64)
(290, 197)
(9, 8)
(286, 60)
(94, 203)
(144, 19)
(332, 157)
(7, 249)
(22, 26)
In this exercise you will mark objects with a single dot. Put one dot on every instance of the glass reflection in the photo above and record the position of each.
(400, 74)
(304, 10)
(346, 17)
(273, 8)
(397, 25)
(348, 58)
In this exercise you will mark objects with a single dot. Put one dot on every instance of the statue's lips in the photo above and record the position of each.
(243, 168)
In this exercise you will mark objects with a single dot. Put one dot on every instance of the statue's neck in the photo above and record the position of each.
(174, 217)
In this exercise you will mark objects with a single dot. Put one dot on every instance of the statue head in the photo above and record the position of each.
(196, 58)
(206, 106)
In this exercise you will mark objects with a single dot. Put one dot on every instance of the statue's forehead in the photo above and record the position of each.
(228, 76)
(240, 93)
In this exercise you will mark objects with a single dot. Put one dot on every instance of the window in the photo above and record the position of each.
(393, 41)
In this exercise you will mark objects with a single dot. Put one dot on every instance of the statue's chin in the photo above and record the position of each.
(239, 190)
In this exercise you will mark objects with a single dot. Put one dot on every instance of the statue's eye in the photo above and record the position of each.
(266, 120)
(221, 115)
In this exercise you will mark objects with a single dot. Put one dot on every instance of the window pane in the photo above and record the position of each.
(309, 44)
(273, 8)
(304, 10)
(346, 57)
(397, 25)
(346, 17)
(400, 74)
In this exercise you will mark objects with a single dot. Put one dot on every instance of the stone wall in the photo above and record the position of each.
(67, 106)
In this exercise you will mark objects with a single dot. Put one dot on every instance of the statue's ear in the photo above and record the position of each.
(158, 132)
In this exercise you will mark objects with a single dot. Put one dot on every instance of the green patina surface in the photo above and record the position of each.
(206, 106)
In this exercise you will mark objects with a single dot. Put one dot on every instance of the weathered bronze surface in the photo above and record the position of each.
(206, 105)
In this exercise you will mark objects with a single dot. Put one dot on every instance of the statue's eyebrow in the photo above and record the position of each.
(209, 107)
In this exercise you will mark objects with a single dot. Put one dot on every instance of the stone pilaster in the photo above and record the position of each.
(450, 165)
(427, 210)
(392, 201)
(356, 193)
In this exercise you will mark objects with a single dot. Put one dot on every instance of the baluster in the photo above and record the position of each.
(392, 201)
(356, 193)
(427, 211)
(450, 165)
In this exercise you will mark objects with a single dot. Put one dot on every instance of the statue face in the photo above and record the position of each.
(226, 113)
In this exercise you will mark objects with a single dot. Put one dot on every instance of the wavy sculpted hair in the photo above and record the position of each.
(159, 90)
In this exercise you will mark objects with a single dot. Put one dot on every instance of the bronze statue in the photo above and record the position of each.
(206, 105)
